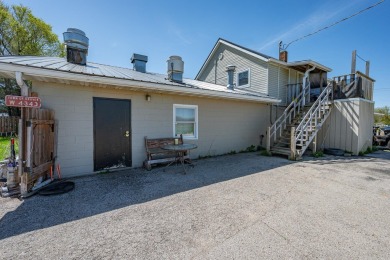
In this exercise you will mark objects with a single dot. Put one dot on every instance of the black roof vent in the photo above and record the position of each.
(139, 62)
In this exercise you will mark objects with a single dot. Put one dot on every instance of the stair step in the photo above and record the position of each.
(283, 151)
(283, 146)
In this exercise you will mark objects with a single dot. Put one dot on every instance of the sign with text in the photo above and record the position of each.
(19, 101)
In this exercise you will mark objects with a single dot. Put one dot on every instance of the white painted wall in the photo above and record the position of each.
(224, 125)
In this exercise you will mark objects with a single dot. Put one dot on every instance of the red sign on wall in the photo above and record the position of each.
(19, 101)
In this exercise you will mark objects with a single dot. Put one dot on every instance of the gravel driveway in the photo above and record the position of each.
(240, 206)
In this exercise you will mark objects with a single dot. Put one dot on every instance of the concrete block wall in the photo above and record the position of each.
(224, 125)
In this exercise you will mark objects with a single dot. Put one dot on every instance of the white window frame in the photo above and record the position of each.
(196, 136)
(249, 79)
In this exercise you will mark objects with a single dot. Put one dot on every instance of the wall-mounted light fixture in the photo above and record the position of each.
(148, 97)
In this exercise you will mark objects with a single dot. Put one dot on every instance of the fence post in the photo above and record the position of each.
(268, 139)
(293, 150)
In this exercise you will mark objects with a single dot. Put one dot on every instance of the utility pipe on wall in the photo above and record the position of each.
(22, 126)
(305, 82)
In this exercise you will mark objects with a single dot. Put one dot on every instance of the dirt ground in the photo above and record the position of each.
(242, 206)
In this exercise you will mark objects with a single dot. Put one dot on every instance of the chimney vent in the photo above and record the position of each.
(230, 69)
(283, 55)
(76, 46)
(139, 62)
(175, 68)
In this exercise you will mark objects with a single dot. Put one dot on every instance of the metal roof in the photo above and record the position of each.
(45, 64)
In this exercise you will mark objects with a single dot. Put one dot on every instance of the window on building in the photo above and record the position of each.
(243, 79)
(185, 121)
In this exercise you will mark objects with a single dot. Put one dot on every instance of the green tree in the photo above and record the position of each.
(382, 115)
(21, 33)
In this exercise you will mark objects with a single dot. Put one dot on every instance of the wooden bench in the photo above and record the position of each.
(155, 154)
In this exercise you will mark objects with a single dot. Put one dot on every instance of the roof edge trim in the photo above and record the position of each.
(129, 83)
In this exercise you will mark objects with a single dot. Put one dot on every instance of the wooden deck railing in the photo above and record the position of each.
(356, 85)
(275, 131)
(304, 133)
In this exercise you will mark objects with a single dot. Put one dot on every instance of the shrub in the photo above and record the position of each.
(369, 150)
(265, 153)
(251, 148)
(318, 154)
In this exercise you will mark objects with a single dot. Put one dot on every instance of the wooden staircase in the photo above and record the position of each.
(293, 132)
(282, 145)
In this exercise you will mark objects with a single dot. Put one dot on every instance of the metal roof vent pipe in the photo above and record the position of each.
(175, 68)
(76, 46)
(139, 62)
(230, 69)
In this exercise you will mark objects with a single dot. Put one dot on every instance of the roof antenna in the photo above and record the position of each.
(282, 46)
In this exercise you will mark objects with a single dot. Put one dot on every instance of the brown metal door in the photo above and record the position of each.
(112, 133)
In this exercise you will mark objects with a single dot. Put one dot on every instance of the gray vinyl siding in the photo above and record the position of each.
(293, 77)
(283, 81)
(215, 72)
(278, 78)
(273, 80)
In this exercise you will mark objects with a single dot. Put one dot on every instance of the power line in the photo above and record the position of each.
(333, 24)
(360, 58)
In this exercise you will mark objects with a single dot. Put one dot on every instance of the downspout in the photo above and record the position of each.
(19, 79)
(279, 82)
(22, 126)
(288, 89)
(305, 82)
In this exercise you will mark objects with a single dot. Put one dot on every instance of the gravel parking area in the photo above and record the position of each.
(242, 206)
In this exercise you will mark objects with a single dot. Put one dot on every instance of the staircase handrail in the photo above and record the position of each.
(317, 106)
(281, 123)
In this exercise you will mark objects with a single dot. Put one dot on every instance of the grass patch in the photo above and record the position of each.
(5, 147)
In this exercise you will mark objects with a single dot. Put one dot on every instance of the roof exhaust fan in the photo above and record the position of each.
(175, 68)
(76, 46)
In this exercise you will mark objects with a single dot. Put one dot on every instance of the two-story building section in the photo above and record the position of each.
(257, 72)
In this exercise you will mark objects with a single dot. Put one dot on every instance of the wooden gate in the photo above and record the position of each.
(36, 146)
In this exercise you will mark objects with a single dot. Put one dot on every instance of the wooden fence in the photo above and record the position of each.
(8, 125)
(38, 148)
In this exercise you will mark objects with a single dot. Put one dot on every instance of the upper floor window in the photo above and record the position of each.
(243, 78)
(185, 121)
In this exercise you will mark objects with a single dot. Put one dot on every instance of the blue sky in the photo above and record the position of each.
(159, 29)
